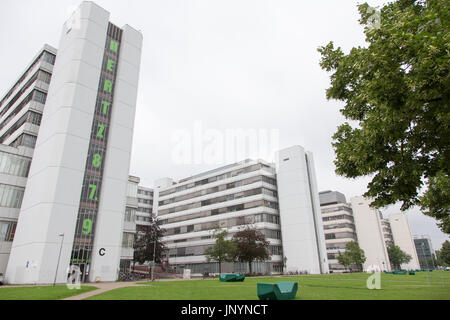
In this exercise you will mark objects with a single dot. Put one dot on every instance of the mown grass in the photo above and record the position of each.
(40, 292)
(311, 287)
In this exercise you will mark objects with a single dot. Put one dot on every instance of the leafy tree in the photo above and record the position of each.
(396, 93)
(251, 245)
(443, 255)
(344, 259)
(353, 255)
(397, 257)
(356, 253)
(223, 250)
(148, 243)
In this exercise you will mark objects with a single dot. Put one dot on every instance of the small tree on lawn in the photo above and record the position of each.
(356, 254)
(397, 257)
(353, 255)
(223, 250)
(443, 255)
(344, 259)
(251, 246)
(148, 245)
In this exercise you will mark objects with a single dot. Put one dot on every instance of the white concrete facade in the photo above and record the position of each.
(401, 233)
(301, 222)
(52, 197)
(370, 233)
(216, 185)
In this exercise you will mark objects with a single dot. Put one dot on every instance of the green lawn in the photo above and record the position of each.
(317, 287)
(40, 292)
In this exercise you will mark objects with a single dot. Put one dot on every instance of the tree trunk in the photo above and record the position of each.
(250, 267)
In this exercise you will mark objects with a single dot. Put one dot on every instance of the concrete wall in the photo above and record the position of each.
(301, 222)
(370, 233)
(402, 237)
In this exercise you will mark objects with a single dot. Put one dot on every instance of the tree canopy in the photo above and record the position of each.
(396, 94)
(251, 246)
(443, 255)
(353, 255)
(144, 244)
(223, 250)
(397, 257)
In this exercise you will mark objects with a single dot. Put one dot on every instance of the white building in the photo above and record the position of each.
(403, 239)
(72, 210)
(368, 222)
(280, 201)
(338, 225)
(301, 219)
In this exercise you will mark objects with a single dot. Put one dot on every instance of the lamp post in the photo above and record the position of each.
(284, 264)
(59, 256)
(154, 254)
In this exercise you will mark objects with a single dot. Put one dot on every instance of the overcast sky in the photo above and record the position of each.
(219, 66)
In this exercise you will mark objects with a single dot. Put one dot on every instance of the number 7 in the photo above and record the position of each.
(93, 188)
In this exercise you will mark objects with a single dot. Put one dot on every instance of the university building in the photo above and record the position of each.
(280, 200)
(20, 117)
(64, 189)
(339, 226)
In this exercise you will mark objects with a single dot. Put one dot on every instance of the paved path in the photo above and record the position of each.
(102, 287)
(107, 286)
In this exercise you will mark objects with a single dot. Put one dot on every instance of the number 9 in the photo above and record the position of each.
(87, 226)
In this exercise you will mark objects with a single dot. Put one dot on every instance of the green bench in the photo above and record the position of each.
(401, 272)
(231, 277)
(277, 291)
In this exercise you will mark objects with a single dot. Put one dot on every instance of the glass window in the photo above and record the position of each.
(11, 196)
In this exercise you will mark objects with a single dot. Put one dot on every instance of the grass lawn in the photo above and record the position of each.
(316, 287)
(40, 292)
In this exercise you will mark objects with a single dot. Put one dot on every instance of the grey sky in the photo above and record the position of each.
(225, 64)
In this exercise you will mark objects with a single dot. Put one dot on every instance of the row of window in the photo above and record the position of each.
(207, 213)
(146, 210)
(272, 234)
(29, 117)
(46, 56)
(339, 217)
(145, 192)
(218, 189)
(145, 201)
(335, 209)
(199, 251)
(19, 93)
(339, 226)
(35, 95)
(338, 245)
(7, 230)
(127, 240)
(238, 267)
(11, 196)
(130, 214)
(14, 165)
(225, 223)
(144, 219)
(25, 140)
(225, 198)
(213, 179)
(340, 235)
